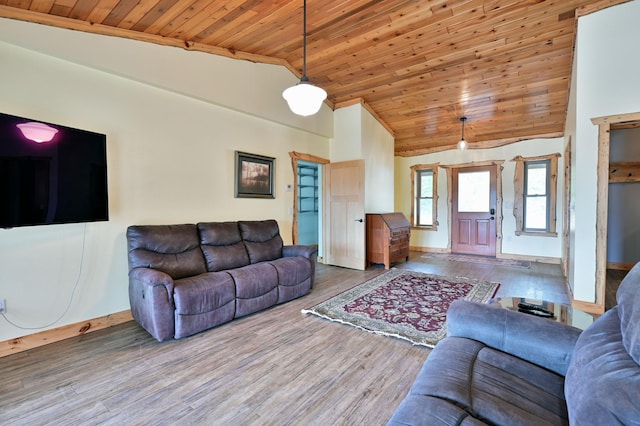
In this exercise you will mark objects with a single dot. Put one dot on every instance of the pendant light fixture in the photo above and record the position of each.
(462, 145)
(37, 132)
(304, 98)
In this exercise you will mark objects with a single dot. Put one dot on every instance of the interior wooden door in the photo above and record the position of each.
(344, 220)
(473, 224)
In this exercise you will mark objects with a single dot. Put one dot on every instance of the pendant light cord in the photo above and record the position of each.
(304, 42)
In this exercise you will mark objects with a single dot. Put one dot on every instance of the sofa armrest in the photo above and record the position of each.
(541, 341)
(149, 278)
(309, 252)
(151, 299)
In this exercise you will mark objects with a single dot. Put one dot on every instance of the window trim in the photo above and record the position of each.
(519, 181)
(414, 195)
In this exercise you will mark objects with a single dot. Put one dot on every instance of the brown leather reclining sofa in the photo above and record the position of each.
(187, 278)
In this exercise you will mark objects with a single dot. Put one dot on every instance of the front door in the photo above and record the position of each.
(344, 223)
(473, 229)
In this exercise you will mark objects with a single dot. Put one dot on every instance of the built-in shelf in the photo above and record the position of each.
(307, 189)
(624, 172)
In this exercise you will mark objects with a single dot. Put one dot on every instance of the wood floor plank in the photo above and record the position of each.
(277, 367)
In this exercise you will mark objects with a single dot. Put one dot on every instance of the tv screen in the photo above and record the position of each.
(50, 174)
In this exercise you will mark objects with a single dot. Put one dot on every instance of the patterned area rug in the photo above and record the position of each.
(405, 304)
(477, 259)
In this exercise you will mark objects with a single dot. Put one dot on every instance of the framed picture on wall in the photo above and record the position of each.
(254, 176)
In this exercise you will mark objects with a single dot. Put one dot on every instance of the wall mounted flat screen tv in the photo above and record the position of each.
(50, 174)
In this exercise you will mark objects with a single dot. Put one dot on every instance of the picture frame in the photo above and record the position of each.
(254, 175)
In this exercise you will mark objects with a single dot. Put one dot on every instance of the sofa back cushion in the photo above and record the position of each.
(222, 246)
(262, 239)
(603, 382)
(628, 297)
(172, 249)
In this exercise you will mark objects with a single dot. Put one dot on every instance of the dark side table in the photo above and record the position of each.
(559, 312)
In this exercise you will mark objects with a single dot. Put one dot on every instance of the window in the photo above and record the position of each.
(534, 205)
(424, 186)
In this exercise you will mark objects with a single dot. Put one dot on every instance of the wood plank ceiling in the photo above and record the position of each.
(418, 65)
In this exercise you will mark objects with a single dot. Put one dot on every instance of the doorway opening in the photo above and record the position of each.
(605, 126)
(307, 200)
(623, 207)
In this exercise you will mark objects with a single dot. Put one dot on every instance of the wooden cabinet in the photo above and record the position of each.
(387, 238)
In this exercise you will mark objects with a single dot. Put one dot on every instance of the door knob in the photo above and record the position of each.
(359, 220)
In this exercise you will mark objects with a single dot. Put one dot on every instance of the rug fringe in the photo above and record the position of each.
(378, 332)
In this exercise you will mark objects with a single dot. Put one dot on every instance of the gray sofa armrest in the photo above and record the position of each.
(151, 299)
(541, 341)
(300, 250)
(147, 278)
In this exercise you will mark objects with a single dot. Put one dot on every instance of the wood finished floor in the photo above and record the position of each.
(277, 367)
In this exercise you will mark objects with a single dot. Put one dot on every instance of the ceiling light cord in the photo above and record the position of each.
(304, 42)
(304, 98)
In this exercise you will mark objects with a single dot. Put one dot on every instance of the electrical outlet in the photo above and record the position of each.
(3, 306)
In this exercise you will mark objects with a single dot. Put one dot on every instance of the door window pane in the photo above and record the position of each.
(474, 192)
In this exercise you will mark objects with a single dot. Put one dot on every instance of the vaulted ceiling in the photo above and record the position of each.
(417, 65)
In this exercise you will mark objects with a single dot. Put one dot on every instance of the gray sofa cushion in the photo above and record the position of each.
(628, 297)
(491, 385)
(173, 249)
(262, 240)
(294, 277)
(603, 382)
(222, 245)
(256, 288)
(424, 410)
(202, 302)
(537, 340)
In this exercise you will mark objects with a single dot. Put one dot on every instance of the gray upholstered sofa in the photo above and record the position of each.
(503, 367)
(187, 278)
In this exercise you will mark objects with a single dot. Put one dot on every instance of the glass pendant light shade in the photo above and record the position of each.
(304, 98)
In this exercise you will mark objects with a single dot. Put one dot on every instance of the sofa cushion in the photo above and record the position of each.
(491, 385)
(172, 249)
(222, 245)
(262, 240)
(202, 302)
(603, 381)
(294, 277)
(628, 297)
(256, 288)
(423, 410)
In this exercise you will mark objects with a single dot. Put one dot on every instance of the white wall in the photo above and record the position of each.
(525, 245)
(359, 136)
(170, 160)
(605, 82)
(377, 150)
